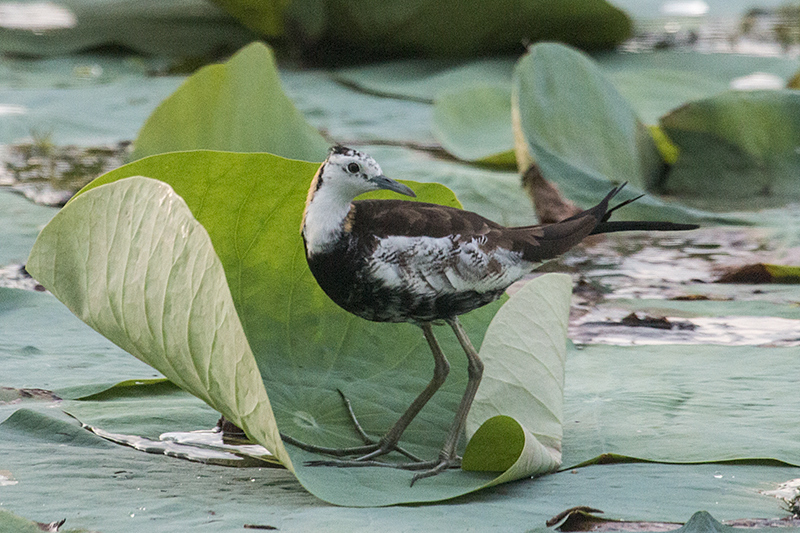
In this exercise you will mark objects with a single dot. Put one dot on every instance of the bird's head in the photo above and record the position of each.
(351, 173)
(345, 174)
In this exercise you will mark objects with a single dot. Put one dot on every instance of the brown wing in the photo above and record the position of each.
(385, 218)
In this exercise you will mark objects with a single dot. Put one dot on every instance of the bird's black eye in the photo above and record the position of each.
(353, 168)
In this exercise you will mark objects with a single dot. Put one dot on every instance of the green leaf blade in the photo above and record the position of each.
(524, 355)
(237, 106)
(474, 124)
(154, 286)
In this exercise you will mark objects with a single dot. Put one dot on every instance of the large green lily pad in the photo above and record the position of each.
(171, 269)
(660, 81)
(575, 121)
(422, 79)
(61, 470)
(20, 223)
(237, 106)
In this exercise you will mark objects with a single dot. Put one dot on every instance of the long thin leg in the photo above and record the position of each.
(389, 441)
(440, 370)
(448, 457)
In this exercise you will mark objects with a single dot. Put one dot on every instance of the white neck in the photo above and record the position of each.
(324, 218)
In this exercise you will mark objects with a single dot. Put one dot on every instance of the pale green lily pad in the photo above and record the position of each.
(57, 107)
(350, 116)
(237, 106)
(681, 404)
(305, 347)
(20, 223)
(108, 488)
(712, 308)
(474, 124)
(738, 148)
(39, 333)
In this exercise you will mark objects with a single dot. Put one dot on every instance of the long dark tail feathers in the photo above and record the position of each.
(625, 225)
(604, 226)
(622, 204)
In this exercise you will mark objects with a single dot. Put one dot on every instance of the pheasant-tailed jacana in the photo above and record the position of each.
(398, 261)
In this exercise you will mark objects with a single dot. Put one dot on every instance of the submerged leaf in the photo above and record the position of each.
(265, 18)
(237, 106)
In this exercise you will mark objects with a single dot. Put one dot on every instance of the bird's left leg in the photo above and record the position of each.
(447, 456)
(370, 443)
(389, 442)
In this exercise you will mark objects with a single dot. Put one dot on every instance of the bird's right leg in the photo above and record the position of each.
(440, 370)
(389, 441)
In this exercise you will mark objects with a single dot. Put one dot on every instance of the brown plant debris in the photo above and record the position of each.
(548, 202)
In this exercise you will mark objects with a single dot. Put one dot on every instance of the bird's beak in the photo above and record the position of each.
(390, 185)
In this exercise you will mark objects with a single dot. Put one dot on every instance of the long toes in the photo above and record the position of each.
(440, 467)
(347, 463)
(375, 453)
